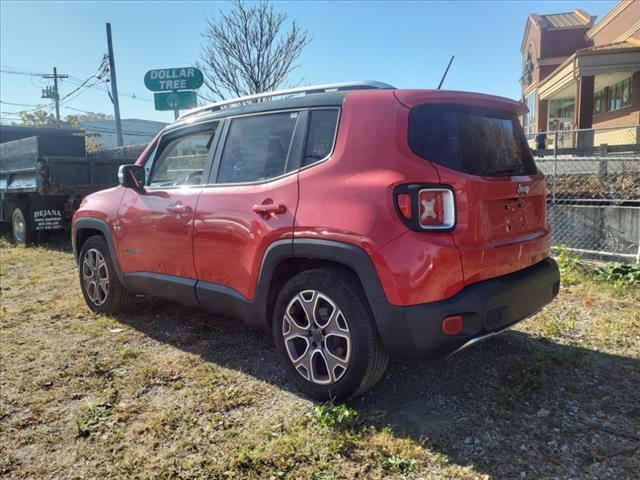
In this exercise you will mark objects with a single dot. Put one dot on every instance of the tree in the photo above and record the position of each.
(91, 140)
(73, 121)
(248, 51)
(37, 118)
(42, 118)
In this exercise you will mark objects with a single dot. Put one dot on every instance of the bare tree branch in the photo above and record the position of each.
(247, 51)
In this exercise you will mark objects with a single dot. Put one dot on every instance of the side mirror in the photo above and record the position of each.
(132, 176)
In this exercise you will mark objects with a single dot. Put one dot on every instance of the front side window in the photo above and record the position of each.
(257, 147)
(181, 161)
(320, 135)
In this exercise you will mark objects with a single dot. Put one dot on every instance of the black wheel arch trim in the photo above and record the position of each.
(254, 312)
(90, 223)
(343, 253)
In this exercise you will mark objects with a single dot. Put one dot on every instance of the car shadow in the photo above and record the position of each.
(501, 406)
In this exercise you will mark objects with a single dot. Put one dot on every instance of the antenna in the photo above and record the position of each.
(445, 72)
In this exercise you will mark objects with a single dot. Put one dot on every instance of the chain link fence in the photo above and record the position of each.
(593, 189)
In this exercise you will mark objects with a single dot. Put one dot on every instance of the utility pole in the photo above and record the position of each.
(114, 88)
(53, 92)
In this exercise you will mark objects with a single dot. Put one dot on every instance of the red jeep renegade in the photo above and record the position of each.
(355, 221)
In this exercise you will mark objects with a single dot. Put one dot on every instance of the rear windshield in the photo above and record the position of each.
(470, 139)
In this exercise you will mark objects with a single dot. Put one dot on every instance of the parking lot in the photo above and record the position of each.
(171, 392)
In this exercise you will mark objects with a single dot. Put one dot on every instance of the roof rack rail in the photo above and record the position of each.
(308, 90)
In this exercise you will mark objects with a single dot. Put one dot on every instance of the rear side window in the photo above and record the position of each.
(257, 147)
(320, 135)
(472, 140)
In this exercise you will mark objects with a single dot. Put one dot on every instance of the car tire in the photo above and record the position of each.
(337, 353)
(20, 228)
(99, 282)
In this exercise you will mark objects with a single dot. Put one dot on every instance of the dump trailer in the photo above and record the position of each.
(43, 178)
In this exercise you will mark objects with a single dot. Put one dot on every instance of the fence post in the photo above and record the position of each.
(604, 150)
(555, 169)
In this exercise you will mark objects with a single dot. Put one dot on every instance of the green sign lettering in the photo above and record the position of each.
(187, 78)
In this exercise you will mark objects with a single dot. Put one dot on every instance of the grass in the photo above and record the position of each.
(170, 392)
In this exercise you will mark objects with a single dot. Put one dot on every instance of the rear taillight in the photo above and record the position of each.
(426, 207)
(436, 208)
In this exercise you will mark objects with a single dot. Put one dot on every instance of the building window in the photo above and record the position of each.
(619, 95)
(530, 116)
(563, 110)
(598, 102)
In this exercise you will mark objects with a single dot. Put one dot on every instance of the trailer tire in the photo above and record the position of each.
(20, 227)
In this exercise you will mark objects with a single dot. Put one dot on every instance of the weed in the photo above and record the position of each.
(554, 325)
(620, 274)
(334, 416)
(569, 355)
(128, 353)
(569, 264)
(399, 464)
(92, 418)
(536, 377)
(102, 368)
(324, 475)
(8, 464)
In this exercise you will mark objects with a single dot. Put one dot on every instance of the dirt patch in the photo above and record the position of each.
(172, 392)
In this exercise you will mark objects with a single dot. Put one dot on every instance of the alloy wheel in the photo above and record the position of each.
(317, 337)
(95, 276)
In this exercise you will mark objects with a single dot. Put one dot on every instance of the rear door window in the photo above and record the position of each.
(320, 135)
(257, 147)
(469, 139)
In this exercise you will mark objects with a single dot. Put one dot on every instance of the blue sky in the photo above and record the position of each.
(406, 44)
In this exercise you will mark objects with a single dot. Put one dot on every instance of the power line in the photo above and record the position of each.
(98, 75)
(22, 104)
(78, 110)
(29, 110)
(15, 72)
(72, 79)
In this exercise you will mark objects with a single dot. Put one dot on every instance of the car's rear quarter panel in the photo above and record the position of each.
(348, 198)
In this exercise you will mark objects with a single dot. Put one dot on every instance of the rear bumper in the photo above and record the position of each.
(487, 307)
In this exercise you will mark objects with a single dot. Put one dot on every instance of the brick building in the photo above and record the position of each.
(581, 74)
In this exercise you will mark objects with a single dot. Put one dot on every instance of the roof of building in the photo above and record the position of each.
(618, 9)
(611, 48)
(627, 45)
(577, 18)
(559, 21)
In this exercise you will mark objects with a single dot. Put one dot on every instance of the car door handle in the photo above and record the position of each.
(268, 208)
(179, 209)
